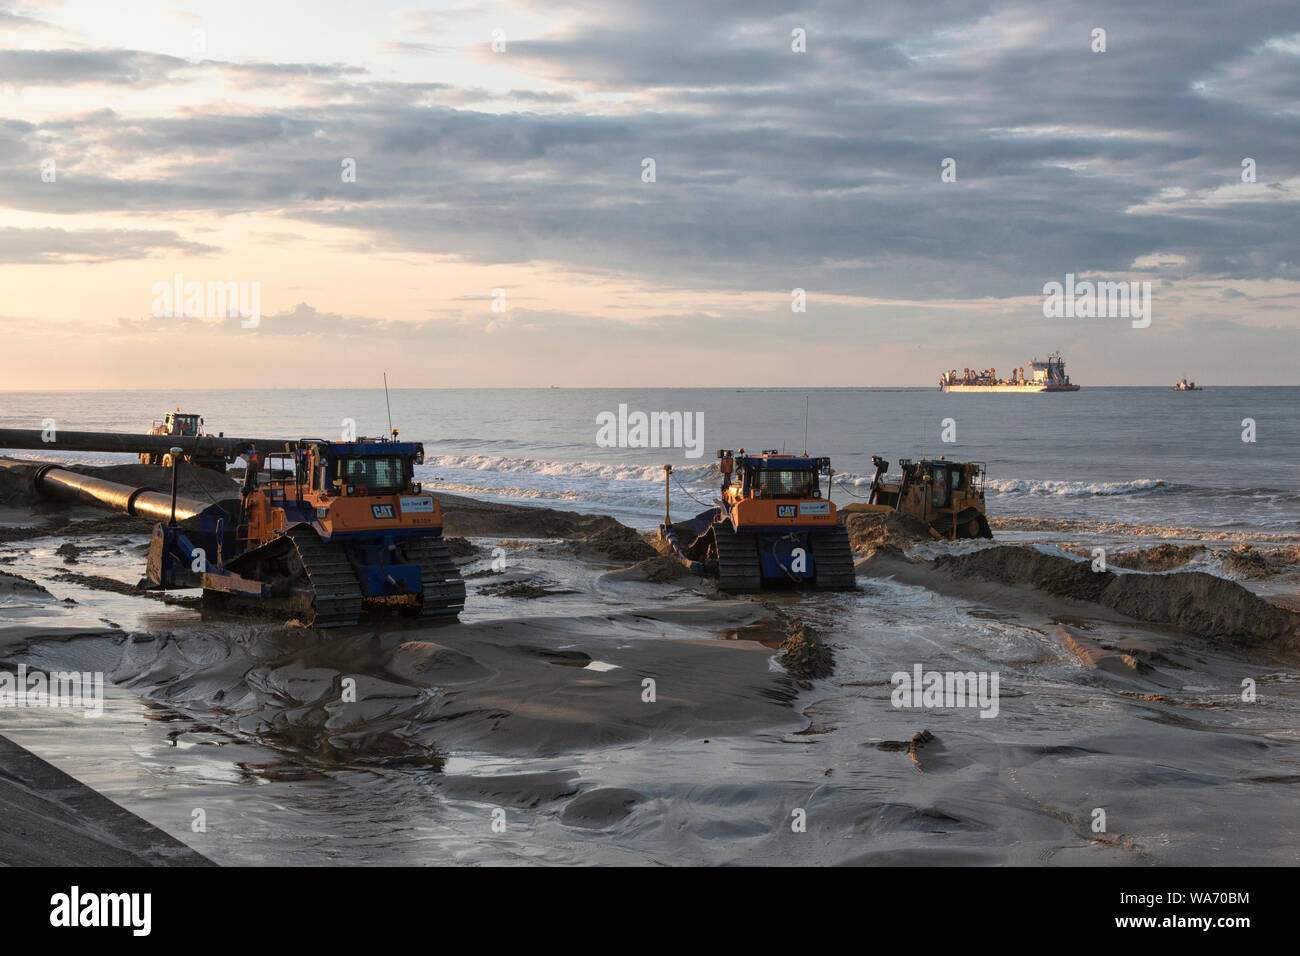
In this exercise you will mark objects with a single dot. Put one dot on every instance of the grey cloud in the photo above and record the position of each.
(16, 16)
(48, 246)
(775, 169)
(23, 68)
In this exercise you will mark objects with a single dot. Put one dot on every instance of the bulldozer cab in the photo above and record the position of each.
(769, 475)
(951, 484)
(947, 480)
(374, 474)
(947, 495)
(783, 483)
(322, 481)
(366, 467)
(183, 424)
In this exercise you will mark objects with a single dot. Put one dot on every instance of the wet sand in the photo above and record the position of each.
(532, 712)
(49, 819)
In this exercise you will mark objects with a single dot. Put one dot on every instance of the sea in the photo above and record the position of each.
(1221, 459)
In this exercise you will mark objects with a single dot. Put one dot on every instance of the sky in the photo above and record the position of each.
(460, 194)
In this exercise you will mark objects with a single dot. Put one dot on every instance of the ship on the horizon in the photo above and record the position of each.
(1048, 376)
(1186, 386)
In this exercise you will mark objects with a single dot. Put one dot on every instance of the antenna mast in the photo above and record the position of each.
(805, 426)
(388, 405)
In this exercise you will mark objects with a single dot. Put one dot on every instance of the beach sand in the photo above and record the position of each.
(594, 705)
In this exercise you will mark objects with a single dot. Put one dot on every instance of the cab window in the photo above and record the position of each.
(785, 484)
(379, 474)
(939, 482)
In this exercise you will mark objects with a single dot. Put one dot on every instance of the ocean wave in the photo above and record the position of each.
(708, 472)
(566, 469)
(1277, 495)
(1030, 486)
(499, 443)
(1074, 489)
(538, 494)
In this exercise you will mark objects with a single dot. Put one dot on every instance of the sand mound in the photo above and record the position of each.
(598, 535)
(1283, 555)
(58, 526)
(804, 654)
(529, 588)
(1244, 561)
(434, 662)
(1163, 557)
(1197, 602)
(869, 532)
(600, 808)
(1204, 604)
(461, 547)
(16, 484)
(16, 584)
(1130, 530)
(70, 552)
(466, 517)
(913, 746)
(657, 570)
(1010, 565)
(527, 790)
(616, 542)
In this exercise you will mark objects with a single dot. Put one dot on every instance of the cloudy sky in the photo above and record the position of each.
(141, 141)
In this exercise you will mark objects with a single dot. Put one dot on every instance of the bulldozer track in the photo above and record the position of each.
(316, 580)
(969, 524)
(739, 568)
(833, 559)
(443, 587)
(336, 593)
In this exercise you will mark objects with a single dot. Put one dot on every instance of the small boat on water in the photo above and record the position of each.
(1186, 386)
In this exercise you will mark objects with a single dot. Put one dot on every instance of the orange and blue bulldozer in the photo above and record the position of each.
(342, 531)
(772, 525)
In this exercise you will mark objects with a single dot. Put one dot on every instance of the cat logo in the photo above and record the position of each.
(382, 511)
(785, 511)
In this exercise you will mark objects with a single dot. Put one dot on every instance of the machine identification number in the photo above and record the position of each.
(815, 508)
(382, 511)
(416, 504)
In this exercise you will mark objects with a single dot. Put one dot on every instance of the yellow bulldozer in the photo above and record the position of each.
(946, 495)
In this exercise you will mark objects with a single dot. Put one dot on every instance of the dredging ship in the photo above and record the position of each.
(1048, 376)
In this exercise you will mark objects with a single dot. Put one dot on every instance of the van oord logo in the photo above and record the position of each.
(382, 511)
